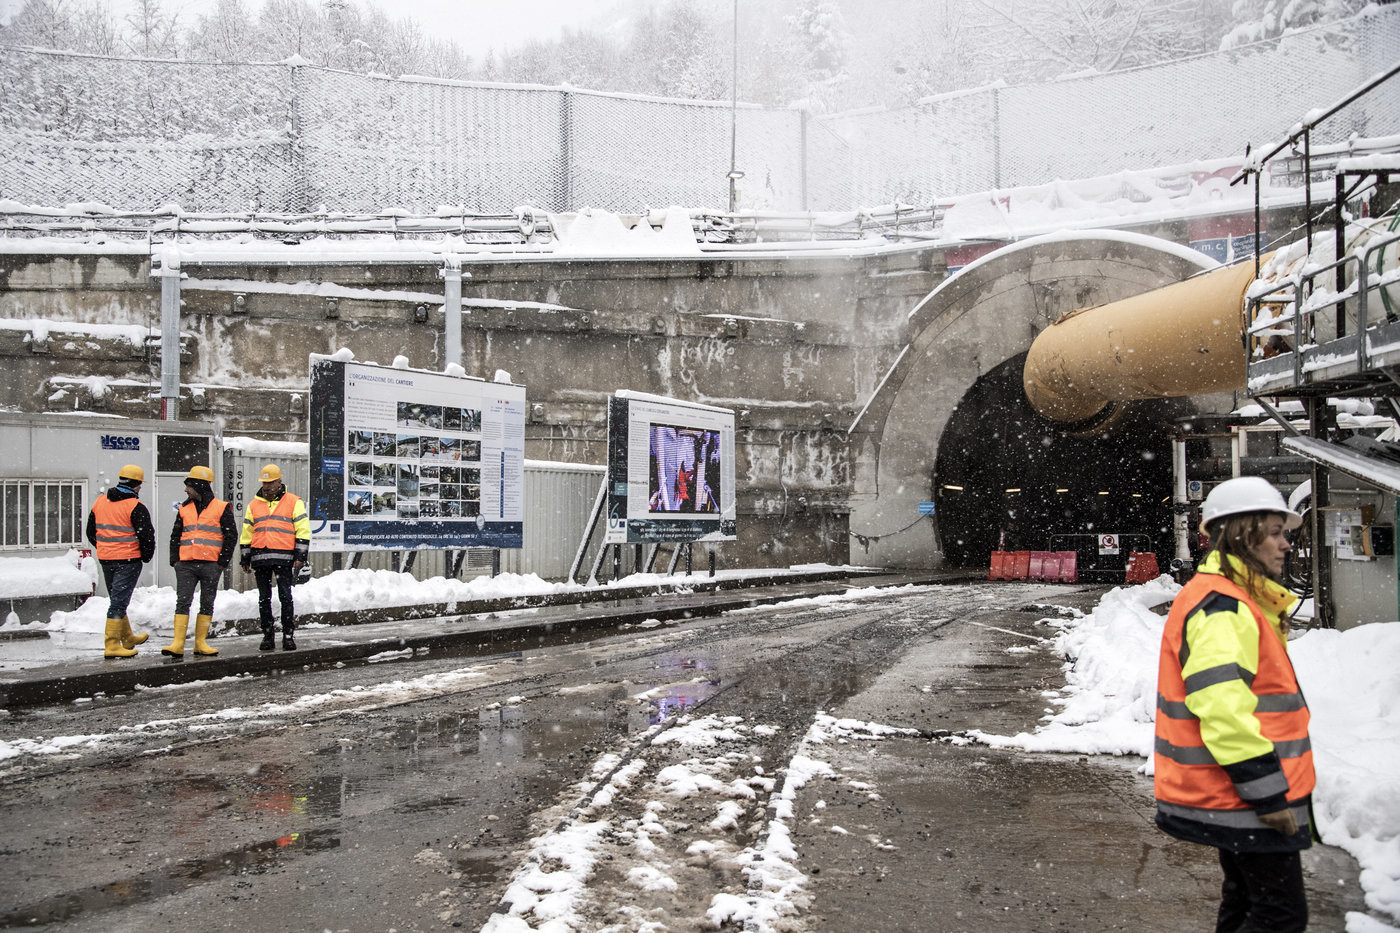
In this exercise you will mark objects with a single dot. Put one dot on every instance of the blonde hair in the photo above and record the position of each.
(1238, 536)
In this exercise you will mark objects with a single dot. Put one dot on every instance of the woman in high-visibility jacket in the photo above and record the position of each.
(202, 541)
(1233, 758)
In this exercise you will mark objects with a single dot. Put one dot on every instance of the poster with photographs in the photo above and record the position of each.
(403, 458)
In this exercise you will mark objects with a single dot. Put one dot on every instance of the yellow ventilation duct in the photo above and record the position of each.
(1184, 339)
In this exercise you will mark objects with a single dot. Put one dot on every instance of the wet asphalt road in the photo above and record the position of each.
(403, 795)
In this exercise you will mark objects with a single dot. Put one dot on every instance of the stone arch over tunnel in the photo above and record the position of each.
(978, 319)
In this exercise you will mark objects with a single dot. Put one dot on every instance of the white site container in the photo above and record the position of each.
(54, 466)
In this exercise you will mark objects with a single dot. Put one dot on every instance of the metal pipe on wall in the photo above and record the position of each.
(169, 273)
(1181, 506)
(452, 309)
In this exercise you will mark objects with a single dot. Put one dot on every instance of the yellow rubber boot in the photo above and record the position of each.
(176, 648)
(201, 631)
(129, 638)
(112, 641)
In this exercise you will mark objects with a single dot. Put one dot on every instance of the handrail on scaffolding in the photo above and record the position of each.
(1302, 301)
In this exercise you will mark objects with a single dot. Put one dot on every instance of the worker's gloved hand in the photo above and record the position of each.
(246, 564)
(1281, 821)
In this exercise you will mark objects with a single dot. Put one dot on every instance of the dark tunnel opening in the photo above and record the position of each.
(1006, 478)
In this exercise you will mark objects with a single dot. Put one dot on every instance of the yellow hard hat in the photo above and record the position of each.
(132, 471)
(201, 472)
(270, 473)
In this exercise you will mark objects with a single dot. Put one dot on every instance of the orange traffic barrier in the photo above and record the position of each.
(1142, 567)
(1045, 565)
(1069, 566)
(998, 567)
(1020, 565)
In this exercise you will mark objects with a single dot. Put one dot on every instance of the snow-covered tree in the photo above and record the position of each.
(822, 39)
(694, 64)
(1032, 40)
(822, 35)
(348, 45)
(291, 27)
(1256, 20)
(150, 31)
(47, 24)
(226, 34)
(96, 31)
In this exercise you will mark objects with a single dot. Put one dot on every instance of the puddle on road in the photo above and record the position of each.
(252, 860)
(668, 703)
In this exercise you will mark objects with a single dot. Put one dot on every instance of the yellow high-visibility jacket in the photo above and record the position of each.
(1232, 725)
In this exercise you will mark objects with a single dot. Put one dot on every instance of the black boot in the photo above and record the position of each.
(269, 641)
(288, 642)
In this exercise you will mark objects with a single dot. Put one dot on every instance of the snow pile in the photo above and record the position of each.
(22, 577)
(600, 233)
(153, 607)
(1110, 694)
(1351, 680)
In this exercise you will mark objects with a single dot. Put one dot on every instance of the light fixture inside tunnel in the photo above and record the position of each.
(1103, 492)
(950, 486)
(1062, 490)
(1014, 489)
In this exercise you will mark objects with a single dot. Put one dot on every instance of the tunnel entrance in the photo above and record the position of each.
(1006, 475)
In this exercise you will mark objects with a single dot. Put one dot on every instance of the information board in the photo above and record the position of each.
(404, 458)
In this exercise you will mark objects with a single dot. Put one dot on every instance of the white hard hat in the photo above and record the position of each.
(1246, 494)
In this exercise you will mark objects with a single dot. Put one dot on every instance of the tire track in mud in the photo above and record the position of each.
(696, 807)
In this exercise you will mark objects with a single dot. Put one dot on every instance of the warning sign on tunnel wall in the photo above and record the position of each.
(1108, 544)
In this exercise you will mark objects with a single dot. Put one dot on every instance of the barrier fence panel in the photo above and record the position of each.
(140, 134)
(1092, 564)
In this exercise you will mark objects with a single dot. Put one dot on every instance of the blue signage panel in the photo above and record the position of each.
(925, 508)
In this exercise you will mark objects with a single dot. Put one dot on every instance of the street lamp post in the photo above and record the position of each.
(734, 173)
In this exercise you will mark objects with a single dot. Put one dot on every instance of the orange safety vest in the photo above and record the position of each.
(274, 529)
(1186, 772)
(116, 537)
(201, 536)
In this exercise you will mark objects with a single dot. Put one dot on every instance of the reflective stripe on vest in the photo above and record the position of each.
(201, 536)
(116, 537)
(1187, 775)
(274, 528)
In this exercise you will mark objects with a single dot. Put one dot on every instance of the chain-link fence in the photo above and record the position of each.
(136, 135)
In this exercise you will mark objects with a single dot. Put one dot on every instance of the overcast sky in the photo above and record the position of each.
(475, 25)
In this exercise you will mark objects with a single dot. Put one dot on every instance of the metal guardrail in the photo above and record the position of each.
(891, 221)
(1302, 300)
(1091, 562)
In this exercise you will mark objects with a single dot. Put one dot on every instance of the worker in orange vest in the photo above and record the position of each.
(119, 528)
(1233, 758)
(201, 546)
(276, 538)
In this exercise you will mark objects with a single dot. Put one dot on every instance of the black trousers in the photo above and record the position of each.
(1262, 893)
(264, 574)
